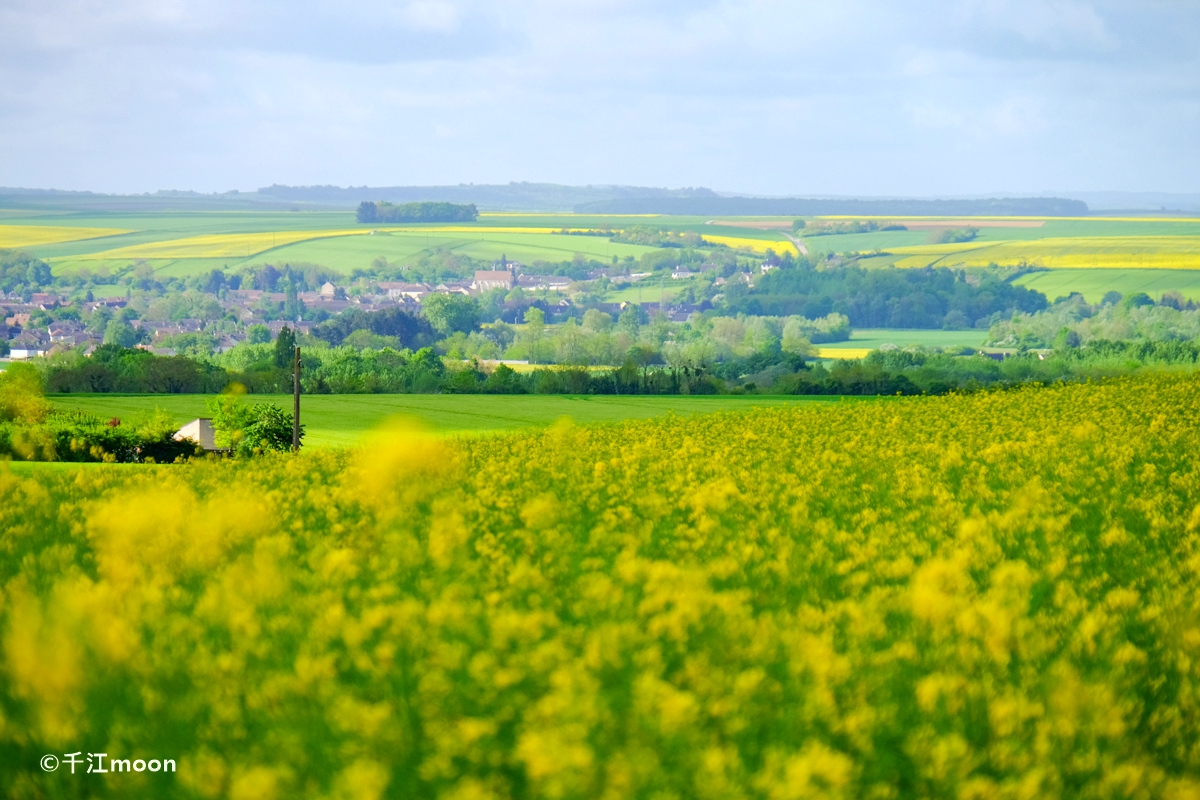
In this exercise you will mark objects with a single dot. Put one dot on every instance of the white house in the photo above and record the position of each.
(486, 279)
(199, 431)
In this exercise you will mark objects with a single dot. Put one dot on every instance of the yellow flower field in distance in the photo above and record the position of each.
(219, 245)
(990, 595)
(1125, 252)
(843, 352)
(16, 236)
(757, 245)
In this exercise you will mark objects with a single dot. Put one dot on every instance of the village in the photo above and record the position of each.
(50, 322)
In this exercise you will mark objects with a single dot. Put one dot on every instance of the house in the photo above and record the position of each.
(277, 325)
(328, 290)
(453, 287)
(28, 345)
(486, 279)
(65, 330)
(44, 300)
(397, 289)
(199, 431)
(681, 274)
(553, 282)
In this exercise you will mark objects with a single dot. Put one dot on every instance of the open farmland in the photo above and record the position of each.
(23, 236)
(226, 245)
(1110, 252)
(988, 595)
(1093, 284)
(183, 244)
(343, 420)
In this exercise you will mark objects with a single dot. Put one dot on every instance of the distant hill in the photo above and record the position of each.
(488, 197)
(804, 207)
(556, 198)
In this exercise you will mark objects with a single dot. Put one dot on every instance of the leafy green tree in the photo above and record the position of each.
(293, 308)
(258, 334)
(1136, 300)
(21, 394)
(367, 212)
(285, 348)
(597, 321)
(248, 430)
(448, 313)
(122, 334)
(271, 429)
(628, 321)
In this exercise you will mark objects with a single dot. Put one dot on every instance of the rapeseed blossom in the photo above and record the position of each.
(982, 596)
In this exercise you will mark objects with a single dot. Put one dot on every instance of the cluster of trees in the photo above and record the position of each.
(30, 430)
(394, 327)
(823, 228)
(918, 371)
(116, 368)
(642, 369)
(954, 235)
(244, 429)
(383, 211)
(659, 237)
(1072, 321)
(883, 298)
(22, 273)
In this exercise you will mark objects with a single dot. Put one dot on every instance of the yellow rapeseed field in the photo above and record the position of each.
(217, 245)
(843, 352)
(757, 245)
(1109, 252)
(16, 236)
(985, 596)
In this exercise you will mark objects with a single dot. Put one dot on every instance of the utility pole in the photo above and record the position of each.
(296, 401)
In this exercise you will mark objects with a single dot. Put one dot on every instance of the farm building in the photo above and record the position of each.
(492, 279)
(199, 431)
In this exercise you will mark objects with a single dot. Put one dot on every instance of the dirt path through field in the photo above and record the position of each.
(799, 244)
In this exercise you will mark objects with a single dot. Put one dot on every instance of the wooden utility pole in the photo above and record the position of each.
(296, 402)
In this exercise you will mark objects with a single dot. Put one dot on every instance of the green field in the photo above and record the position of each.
(1093, 284)
(1104, 254)
(343, 420)
(875, 337)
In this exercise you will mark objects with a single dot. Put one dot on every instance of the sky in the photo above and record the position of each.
(853, 97)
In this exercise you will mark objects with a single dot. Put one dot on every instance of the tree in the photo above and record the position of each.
(271, 429)
(21, 394)
(448, 313)
(367, 212)
(285, 348)
(597, 321)
(258, 334)
(38, 273)
(535, 327)
(249, 430)
(643, 356)
(122, 334)
(628, 321)
(293, 308)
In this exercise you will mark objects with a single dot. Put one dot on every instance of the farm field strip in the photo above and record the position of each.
(21, 236)
(1127, 252)
(344, 420)
(216, 245)
(755, 244)
(1093, 284)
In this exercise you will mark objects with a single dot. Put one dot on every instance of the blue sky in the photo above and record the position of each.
(781, 98)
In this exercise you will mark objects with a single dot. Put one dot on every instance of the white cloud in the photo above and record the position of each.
(760, 95)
